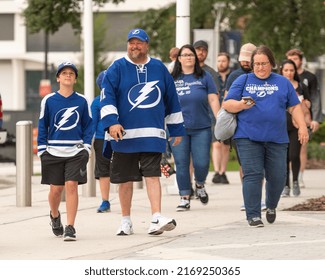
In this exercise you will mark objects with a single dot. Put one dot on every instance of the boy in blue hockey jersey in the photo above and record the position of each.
(64, 143)
(138, 96)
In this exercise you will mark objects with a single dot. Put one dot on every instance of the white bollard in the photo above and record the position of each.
(24, 163)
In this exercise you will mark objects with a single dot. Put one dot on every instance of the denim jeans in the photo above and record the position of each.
(196, 144)
(259, 160)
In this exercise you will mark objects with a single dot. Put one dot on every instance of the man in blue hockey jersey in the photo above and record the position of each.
(64, 143)
(138, 96)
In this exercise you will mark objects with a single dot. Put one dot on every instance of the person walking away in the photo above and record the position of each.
(64, 145)
(310, 80)
(221, 150)
(289, 70)
(196, 92)
(102, 164)
(138, 95)
(261, 135)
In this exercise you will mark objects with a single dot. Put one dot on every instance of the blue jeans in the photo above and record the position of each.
(196, 144)
(259, 160)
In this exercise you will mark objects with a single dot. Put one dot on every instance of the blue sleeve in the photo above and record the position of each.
(43, 125)
(95, 111)
(87, 125)
(108, 103)
(173, 114)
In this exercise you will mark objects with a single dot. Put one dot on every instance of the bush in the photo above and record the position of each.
(319, 136)
(316, 151)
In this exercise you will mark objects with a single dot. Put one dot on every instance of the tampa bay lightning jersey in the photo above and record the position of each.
(65, 125)
(141, 98)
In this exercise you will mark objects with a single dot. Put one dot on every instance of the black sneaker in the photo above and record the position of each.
(69, 233)
(202, 194)
(56, 225)
(216, 178)
(270, 215)
(255, 222)
(224, 179)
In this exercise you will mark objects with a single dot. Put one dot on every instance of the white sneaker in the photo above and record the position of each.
(125, 229)
(162, 224)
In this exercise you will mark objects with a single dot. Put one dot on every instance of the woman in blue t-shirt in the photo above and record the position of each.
(261, 135)
(196, 92)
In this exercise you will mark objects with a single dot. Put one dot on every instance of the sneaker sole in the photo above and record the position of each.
(168, 227)
(123, 234)
(69, 238)
(103, 211)
(182, 209)
(257, 226)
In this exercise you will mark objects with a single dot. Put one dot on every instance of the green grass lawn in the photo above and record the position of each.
(232, 165)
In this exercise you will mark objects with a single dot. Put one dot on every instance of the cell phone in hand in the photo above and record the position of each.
(248, 100)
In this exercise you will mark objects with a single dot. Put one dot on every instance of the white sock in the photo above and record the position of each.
(126, 219)
(155, 216)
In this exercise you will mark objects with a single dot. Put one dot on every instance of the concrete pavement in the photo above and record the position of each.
(217, 231)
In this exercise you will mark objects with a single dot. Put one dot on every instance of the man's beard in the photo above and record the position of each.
(246, 68)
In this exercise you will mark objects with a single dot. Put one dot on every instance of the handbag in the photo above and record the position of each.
(226, 125)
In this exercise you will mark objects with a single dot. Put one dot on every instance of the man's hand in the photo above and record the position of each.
(116, 131)
(314, 125)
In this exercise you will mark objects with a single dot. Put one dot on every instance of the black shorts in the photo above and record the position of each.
(58, 170)
(126, 167)
(102, 163)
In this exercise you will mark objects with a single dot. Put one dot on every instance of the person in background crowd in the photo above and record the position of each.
(221, 150)
(64, 144)
(289, 70)
(201, 48)
(196, 92)
(261, 135)
(102, 164)
(310, 80)
(138, 95)
(173, 53)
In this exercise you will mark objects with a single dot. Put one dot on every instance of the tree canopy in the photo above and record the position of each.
(279, 24)
(49, 15)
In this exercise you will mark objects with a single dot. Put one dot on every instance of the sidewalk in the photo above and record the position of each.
(217, 231)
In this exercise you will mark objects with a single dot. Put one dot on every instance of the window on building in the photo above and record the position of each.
(7, 21)
(65, 40)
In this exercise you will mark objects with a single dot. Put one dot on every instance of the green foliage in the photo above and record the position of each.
(315, 151)
(49, 15)
(279, 24)
(319, 136)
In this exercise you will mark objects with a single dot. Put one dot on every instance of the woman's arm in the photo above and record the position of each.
(214, 103)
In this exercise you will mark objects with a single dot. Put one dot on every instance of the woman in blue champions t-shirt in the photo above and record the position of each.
(261, 135)
(196, 91)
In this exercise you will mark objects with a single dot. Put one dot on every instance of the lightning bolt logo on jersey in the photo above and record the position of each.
(144, 95)
(66, 118)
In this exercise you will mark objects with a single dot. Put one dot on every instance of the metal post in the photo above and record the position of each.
(24, 163)
(89, 188)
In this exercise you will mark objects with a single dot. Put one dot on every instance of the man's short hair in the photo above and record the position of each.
(293, 52)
